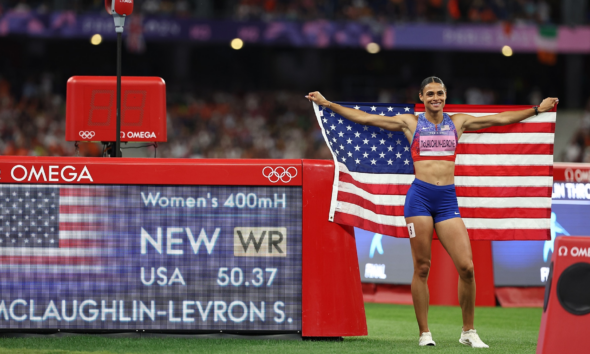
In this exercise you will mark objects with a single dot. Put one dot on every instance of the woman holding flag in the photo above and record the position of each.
(431, 202)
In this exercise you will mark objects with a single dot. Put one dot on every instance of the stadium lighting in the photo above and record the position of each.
(96, 39)
(507, 51)
(373, 48)
(237, 43)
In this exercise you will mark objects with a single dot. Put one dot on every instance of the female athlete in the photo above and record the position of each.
(431, 201)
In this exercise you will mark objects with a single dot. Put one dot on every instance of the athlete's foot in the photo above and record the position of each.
(471, 339)
(426, 339)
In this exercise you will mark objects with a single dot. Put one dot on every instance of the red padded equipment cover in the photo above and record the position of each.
(566, 311)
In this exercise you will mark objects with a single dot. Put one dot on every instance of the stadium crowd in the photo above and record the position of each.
(578, 149)
(530, 11)
(212, 124)
(486, 11)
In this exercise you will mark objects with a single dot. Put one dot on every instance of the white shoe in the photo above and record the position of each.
(426, 339)
(471, 339)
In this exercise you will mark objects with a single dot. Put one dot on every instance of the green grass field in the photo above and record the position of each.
(392, 329)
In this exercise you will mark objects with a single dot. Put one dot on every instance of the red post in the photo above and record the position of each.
(443, 278)
(332, 298)
(566, 314)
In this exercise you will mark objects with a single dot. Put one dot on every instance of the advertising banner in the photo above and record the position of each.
(318, 33)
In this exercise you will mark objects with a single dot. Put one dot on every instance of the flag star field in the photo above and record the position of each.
(365, 148)
(29, 218)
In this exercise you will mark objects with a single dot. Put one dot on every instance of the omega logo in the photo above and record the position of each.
(577, 175)
(20, 173)
(574, 252)
(140, 135)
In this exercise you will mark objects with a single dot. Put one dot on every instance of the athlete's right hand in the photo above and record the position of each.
(317, 98)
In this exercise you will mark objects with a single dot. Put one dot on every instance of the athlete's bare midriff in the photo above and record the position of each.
(437, 172)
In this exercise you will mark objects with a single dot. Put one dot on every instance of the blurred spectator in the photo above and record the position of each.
(480, 11)
(578, 150)
(486, 11)
(536, 96)
(475, 95)
(573, 152)
(34, 125)
(224, 125)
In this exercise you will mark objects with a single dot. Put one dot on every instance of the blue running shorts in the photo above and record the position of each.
(425, 199)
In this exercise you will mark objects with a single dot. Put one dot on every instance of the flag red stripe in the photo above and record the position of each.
(509, 234)
(469, 170)
(485, 213)
(82, 209)
(389, 189)
(520, 128)
(81, 226)
(503, 191)
(50, 260)
(505, 149)
(72, 243)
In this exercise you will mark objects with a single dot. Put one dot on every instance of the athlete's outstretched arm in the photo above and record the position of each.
(467, 122)
(396, 123)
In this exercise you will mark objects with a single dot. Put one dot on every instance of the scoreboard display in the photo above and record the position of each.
(91, 109)
(136, 256)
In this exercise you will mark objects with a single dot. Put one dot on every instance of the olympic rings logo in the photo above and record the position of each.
(86, 135)
(282, 174)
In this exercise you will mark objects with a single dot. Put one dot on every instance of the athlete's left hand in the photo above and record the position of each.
(548, 104)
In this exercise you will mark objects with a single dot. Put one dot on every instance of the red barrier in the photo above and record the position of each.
(484, 273)
(98, 170)
(443, 278)
(519, 296)
(387, 293)
(332, 296)
(571, 172)
(566, 311)
(332, 300)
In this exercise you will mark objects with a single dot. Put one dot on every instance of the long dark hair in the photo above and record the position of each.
(430, 80)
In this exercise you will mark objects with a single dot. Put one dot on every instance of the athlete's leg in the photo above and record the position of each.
(421, 243)
(454, 238)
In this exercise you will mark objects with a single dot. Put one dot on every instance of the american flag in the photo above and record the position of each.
(52, 229)
(503, 175)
